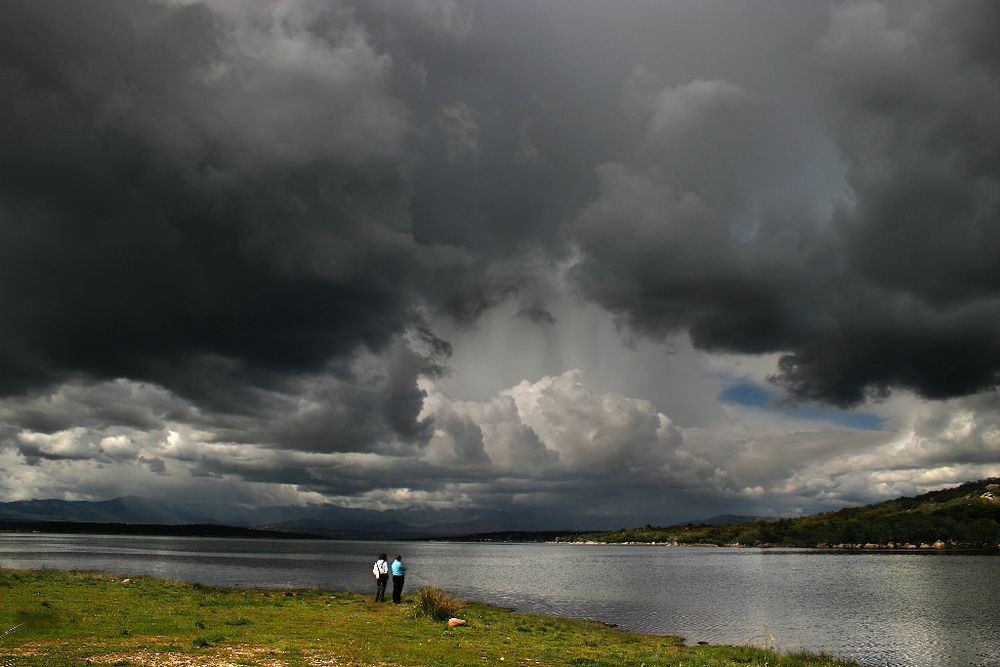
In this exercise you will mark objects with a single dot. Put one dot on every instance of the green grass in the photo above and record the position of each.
(65, 618)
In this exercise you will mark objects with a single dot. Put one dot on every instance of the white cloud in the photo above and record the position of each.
(591, 431)
(119, 447)
(74, 443)
(558, 428)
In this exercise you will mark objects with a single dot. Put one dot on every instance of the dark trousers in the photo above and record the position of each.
(380, 584)
(397, 588)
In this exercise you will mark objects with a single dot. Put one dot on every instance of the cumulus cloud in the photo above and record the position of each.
(554, 428)
(543, 447)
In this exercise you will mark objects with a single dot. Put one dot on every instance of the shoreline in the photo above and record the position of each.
(237, 532)
(862, 548)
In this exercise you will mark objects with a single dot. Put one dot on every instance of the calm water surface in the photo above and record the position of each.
(881, 609)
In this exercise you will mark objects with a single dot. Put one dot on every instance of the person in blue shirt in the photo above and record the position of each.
(398, 574)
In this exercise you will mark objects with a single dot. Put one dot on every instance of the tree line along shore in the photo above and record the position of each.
(58, 618)
(965, 517)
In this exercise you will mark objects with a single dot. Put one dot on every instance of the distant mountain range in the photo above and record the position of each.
(118, 510)
(323, 520)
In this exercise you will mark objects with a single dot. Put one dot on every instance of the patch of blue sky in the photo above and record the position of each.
(751, 395)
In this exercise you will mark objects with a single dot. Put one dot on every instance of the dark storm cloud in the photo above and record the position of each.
(374, 406)
(919, 131)
(210, 201)
(898, 290)
(371, 404)
(219, 200)
(97, 406)
(212, 198)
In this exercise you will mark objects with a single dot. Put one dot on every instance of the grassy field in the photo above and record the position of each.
(66, 618)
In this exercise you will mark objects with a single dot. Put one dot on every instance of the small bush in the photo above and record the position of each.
(435, 603)
(44, 617)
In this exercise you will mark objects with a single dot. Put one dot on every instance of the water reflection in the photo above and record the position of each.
(896, 609)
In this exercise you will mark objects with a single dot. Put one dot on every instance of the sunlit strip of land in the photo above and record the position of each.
(964, 517)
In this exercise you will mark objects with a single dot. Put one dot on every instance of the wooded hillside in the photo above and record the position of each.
(967, 516)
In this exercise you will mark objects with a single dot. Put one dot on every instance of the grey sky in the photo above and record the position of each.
(626, 261)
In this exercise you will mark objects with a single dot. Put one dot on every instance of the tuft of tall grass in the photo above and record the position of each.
(435, 603)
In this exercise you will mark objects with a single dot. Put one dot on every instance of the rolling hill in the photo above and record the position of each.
(325, 520)
(967, 516)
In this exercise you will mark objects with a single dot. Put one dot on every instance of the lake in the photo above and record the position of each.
(914, 609)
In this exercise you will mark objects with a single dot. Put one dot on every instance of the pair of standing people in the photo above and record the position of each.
(381, 571)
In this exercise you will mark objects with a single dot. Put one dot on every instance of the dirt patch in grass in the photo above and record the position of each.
(229, 656)
(327, 661)
(319, 658)
(224, 656)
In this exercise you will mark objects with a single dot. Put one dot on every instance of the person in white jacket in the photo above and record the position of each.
(381, 572)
